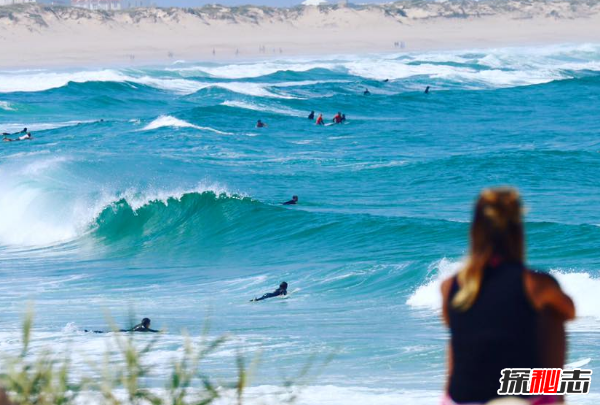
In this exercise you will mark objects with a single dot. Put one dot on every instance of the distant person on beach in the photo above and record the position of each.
(24, 131)
(311, 116)
(260, 124)
(293, 201)
(282, 290)
(427, 90)
(366, 92)
(338, 118)
(500, 313)
(25, 137)
(320, 120)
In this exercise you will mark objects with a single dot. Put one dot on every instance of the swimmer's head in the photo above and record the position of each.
(146, 322)
(295, 198)
(283, 285)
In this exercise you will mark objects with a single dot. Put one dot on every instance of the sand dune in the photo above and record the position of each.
(36, 36)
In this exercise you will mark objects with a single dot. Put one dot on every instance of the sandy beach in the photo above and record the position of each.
(33, 36)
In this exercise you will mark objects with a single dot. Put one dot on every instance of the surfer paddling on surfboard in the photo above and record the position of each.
(282, 290)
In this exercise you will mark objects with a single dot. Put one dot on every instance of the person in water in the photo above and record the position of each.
(500, 313)
(311, 116)
(366, 92)
(260, 124)
(320, 120)
(338, 118)
(427, 90)
(343, 117)
(293, 201)
(144, 326)
(24, 131)
(25, 137)
(282, 290)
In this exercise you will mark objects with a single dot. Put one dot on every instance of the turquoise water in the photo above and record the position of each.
(150, 190)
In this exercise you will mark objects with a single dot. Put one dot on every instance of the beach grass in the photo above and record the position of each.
(46, 377)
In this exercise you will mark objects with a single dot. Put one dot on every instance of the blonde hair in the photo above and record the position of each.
(496, 230)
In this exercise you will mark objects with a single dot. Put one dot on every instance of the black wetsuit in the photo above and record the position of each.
(311, 116)
(498, 331)
(276, 293)
(291, 202)
(141, 328)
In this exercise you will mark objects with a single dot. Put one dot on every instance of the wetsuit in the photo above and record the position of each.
(291, 202)
(139, 328)
(276, 293)
(337, 119)
(311, 116)
(498, 331)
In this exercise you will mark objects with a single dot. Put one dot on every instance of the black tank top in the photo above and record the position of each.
(498, 331)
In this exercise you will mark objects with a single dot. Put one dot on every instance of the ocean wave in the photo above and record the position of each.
(39, 211)
(427, 295)
(10, 83)
(172, 122)
(264, 108)
(6, 106)
(41, 126)
(253, 70)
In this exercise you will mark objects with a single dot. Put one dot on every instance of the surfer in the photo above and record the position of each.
(282, 290)
(144, 326)
(260, 124)
(500, 313)
(24, 131)
(320, 120)
(366, 92)
(427, 90)
(386, 80)
(293, 201)
(311, 116)
(343, 117)
(25, 137)
(338, 118)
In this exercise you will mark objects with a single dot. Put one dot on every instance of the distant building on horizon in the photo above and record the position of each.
(314, 2)
(97, 4)
(107, 5)
(11, 2)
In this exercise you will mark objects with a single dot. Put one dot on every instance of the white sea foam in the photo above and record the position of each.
(427, 295)
(40, 81)
(264, 108)
(49, 80)
(583, 289)
(169, 121)
(250, 70)
(41, 126)
(6, 106)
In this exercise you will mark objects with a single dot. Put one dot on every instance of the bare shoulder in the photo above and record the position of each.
(537, 281)
(447, 286)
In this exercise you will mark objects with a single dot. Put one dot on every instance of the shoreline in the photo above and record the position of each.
(50, 37)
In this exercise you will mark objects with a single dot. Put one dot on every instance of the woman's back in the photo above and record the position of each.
(498, 331)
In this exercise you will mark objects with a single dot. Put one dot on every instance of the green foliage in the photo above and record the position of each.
(41, 378)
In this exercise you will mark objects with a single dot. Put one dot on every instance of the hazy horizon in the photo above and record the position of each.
(200, 3)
